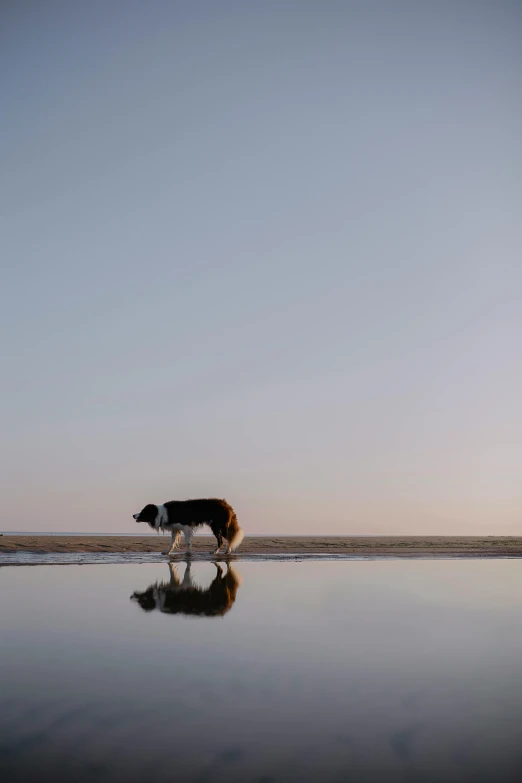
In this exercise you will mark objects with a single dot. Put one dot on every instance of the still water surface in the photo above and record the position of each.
(271, 671)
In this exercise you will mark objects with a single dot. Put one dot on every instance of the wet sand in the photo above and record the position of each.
(396, 546)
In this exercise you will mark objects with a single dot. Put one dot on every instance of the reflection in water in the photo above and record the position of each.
(392, 671)
(184, 596)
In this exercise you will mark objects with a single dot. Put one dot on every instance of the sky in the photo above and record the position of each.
(266, 251)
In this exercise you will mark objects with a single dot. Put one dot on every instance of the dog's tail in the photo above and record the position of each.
(235, 578)
(234, 534)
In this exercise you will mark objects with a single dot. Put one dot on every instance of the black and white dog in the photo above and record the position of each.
(184, 516)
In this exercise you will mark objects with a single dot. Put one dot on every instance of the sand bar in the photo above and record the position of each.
(396, 546)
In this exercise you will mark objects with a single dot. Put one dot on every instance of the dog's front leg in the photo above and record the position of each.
(175, 581)
(187, 532)
(174, 541)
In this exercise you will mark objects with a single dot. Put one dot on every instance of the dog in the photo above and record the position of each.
(186, 515)
(185, 597)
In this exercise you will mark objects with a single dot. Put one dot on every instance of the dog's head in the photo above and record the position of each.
(147, 514)
(148, 599)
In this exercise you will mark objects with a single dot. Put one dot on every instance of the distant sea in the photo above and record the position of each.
(55, 533)
(154, 535)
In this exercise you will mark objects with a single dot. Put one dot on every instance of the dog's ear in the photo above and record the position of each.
(149, 513)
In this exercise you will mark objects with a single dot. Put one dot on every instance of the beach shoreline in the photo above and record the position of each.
(364, 546)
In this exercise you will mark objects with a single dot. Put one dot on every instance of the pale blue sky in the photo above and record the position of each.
(269, 251)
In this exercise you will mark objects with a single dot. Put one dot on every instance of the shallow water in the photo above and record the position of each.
(277, 671)
(93, 558)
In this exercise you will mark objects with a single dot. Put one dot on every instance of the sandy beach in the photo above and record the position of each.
(397, 546)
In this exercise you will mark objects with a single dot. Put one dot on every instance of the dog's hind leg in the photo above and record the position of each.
(218, 532)
(219, 538)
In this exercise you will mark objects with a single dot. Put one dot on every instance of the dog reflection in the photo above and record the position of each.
(183, 596)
